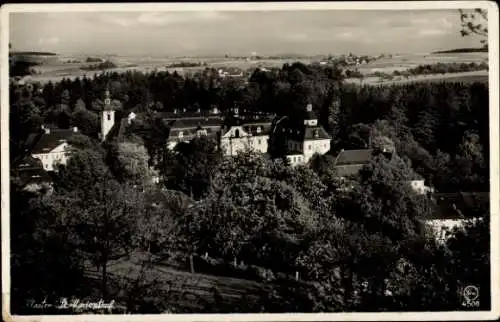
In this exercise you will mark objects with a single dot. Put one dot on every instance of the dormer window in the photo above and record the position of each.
(316, 134)
(259, 129)
(181, 134)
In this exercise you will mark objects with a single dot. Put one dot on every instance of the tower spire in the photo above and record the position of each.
(107, 98)
(107, 115)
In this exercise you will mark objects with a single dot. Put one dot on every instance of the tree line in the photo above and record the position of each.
(357, 249)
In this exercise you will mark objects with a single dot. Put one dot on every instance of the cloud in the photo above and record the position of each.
(48, 41)
(298, 37)
(161, 18)
(420, 21)
(432, 32)
(446, 23)
(346, 35)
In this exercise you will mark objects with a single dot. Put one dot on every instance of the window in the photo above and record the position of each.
(109, 117)
(309, 146)
(259, 141)
(237, 133)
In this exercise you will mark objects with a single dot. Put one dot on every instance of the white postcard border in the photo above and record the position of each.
(145, 7)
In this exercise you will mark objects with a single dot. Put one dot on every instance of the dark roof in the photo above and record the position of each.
(310, 115)
(49, 141)
(122, 127)
(252, 128)
(315, 133)
(348, 157)
(249, 122)
(27, 163)
(348, 170)
(293, 152)
(302, 133)
(187, 115)
(464, 201)
(460, 205)
(174, 133)
(472, 199)
(415, 176)
(195, 122)
(31, 140)
(30, 170)
(189, 136)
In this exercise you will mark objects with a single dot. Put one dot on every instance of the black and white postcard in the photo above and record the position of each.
(311, 161)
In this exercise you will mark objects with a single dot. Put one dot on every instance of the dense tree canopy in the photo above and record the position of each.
(317, 245)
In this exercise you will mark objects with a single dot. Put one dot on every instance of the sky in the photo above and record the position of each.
(239, 32)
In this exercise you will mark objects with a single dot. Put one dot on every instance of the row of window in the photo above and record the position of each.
(199, 133)
(298, 146)
(296, 159)
(56, 156)
(250, 142)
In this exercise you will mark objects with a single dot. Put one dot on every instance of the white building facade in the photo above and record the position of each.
(306, 140)
(237, 139)
(107, 117)
(52, 148)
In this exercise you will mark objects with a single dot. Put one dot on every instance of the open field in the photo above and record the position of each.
(187, 291)
(475, 76)
(55, 71)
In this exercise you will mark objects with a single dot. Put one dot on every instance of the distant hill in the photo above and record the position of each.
(32, 53)
(463, 50)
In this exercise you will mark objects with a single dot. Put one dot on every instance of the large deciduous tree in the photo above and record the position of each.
(475, 22)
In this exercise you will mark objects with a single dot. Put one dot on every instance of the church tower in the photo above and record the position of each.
(107, 116)
(310, 119)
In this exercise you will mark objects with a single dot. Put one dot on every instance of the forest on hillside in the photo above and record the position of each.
(247, 216)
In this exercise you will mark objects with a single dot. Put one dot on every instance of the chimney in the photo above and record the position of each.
(75, 129)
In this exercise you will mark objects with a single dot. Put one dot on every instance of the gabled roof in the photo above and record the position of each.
(195, 122)
(459, 205)
(350, 157)
(310, 115)
(249, 122)
(31, 141)
(189, 134)
(49, 141)
(302, 133)
(188, 114)
(252, 128)
(28, 163)
(348, 170)
(30, 170)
